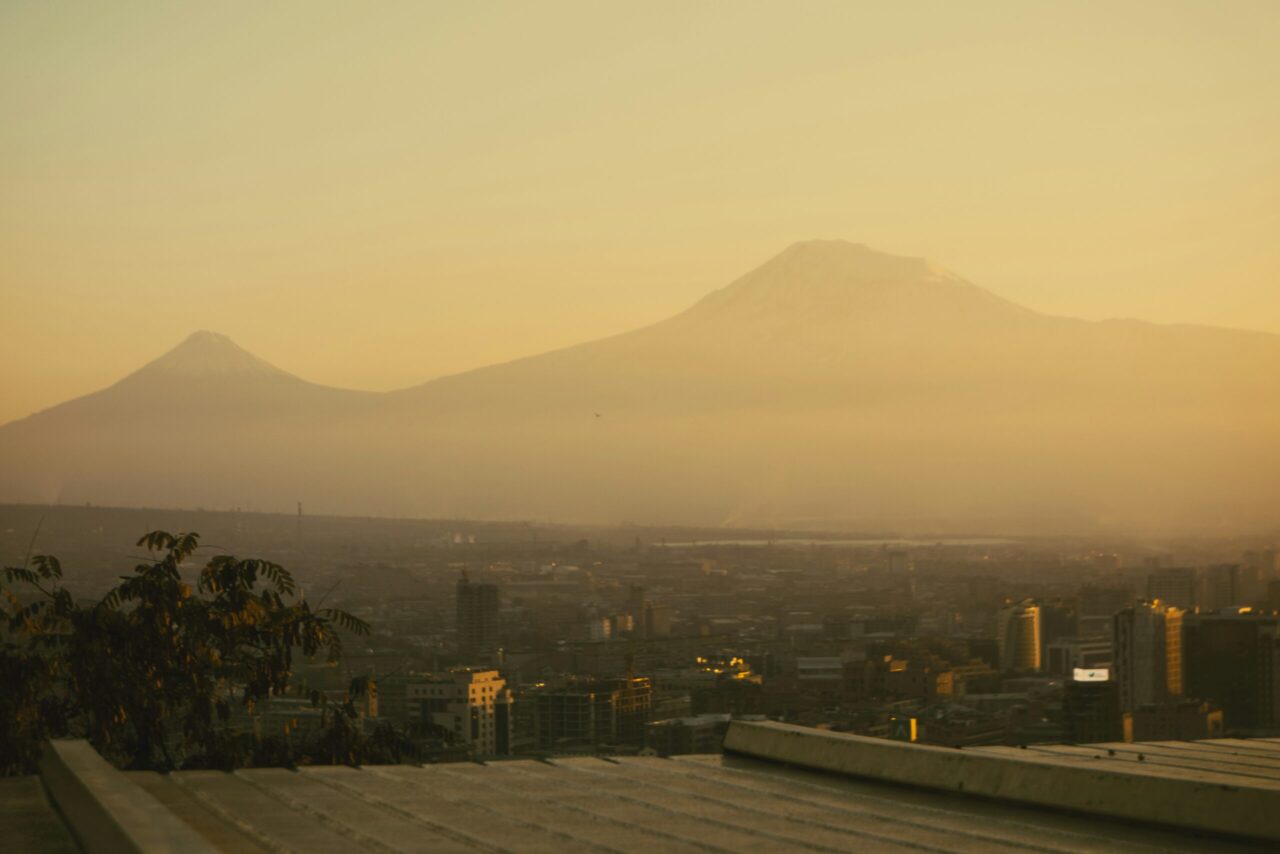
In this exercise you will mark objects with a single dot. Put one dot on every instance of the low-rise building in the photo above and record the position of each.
(472, 706)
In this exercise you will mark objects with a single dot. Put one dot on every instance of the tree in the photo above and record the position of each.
(153, 672)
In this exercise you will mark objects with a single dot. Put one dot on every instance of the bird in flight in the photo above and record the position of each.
(597, 415)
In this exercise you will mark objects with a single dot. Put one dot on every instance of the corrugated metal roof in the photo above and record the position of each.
(587, 804)
(694, 803)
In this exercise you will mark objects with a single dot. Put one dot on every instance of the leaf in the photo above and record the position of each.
(157, 541)
(345, 621)
(48, 566)
(13, 573)
(185, 544)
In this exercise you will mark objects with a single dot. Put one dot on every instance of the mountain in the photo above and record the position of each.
(834, 385)
(199, 426)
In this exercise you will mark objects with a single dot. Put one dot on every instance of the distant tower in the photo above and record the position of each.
(1148, 654)
(477, 606)
(1018, 636)
(635, 607)
(1177, 586)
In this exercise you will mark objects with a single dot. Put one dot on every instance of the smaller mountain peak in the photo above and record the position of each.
(205, 336)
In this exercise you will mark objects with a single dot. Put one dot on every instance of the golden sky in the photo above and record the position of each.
(373, 194)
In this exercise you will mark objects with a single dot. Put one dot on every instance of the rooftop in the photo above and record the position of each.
(694, 803)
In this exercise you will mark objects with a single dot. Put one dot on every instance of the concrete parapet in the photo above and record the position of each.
(105, 810)
(1225, 803)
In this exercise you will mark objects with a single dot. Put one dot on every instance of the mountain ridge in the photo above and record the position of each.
(830, 382)
(204, 353)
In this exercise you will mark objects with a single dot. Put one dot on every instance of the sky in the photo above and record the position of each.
(372, 195)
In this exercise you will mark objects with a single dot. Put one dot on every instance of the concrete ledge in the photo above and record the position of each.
(1242, 806)
(105, 810)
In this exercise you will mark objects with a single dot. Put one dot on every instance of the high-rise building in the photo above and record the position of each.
(1059, 620)
(477, 610)
(1267, 561)
(1103, 600)
(1231, 585)
(1233, 660)
(1176, 586)
(1018, 636)
(1147, 640)
(636, 609)
(472, 706)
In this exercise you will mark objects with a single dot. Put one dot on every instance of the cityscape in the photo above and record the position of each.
(676, 427)
(494, 639)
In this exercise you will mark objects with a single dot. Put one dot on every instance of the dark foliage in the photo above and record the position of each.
(155, 672)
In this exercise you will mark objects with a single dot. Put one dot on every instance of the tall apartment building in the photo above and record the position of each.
(473, 706)
(1176, 586)
(1018, 636)
(1059, 621)
(1147, 639)
(1267, 561)
(1233, 660)
(1230, 585)
(477, 613)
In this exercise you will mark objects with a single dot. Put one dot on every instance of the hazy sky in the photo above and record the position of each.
(372, 194)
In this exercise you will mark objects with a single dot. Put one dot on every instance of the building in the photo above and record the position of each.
(590, 713)
(635, 607)
(657, 620)
(1232, 659)
(828, 670)
(1091, 708)
(1064, 656)
(1103, 600)
(470, 706)
(1018, 636)
(1176, 586)
(1177, 720)
(393, 698)
(1059, 621)
(1267, 561)
(682, 736)
(1231, 585)
(1147, 638)
(599, 629)
(919, 680)
(477, 613)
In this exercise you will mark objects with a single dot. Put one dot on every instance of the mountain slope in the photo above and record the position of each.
(202, 425)
(833, 384)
